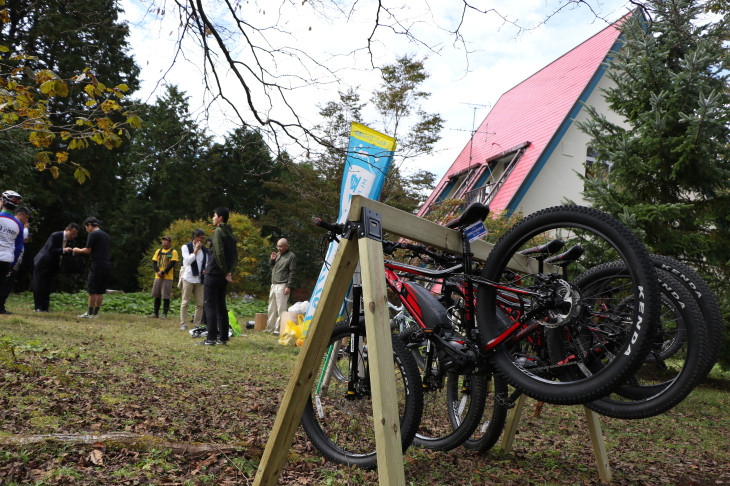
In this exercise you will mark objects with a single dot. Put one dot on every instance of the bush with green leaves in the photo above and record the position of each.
(252, 248)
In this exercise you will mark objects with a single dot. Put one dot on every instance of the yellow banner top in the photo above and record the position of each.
(361, 132)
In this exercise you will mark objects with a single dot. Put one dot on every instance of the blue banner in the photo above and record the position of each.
(369, 155)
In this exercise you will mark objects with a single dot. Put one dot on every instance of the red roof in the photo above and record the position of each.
(537, 110)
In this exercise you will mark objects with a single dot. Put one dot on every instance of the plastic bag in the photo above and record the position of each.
(233, 322)
(299, 307)
(292, 332)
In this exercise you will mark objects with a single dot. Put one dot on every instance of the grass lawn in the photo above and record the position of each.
(160, 409)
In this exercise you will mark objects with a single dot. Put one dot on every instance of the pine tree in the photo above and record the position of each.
(668, 166)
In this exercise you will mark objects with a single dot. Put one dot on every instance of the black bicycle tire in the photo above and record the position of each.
(458, 432)
(627, 360)
(410, 418)
(707, 301)
(633, 400)
(493, 418)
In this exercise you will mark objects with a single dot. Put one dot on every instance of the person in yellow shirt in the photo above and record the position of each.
(163, 262)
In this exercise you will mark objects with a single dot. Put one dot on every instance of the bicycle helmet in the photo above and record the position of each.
(11, 200)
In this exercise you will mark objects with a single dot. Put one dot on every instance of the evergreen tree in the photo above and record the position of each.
(161, 178)
(668, 165)
(238, 171)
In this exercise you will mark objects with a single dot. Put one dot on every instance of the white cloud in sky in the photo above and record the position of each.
(498, 59)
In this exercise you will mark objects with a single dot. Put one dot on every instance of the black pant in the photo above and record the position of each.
(6, 284)
(42, 288)
(4, 271)
(216, 312)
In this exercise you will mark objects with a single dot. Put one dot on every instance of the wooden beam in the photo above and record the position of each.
(380, 358)
(406, 225)
(300, 383)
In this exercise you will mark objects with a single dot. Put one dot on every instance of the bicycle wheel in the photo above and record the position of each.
(493, 418)
(452, 400)
(338, 418)
(673, 366)
(452, 407)
(600, 350)
(707, 302)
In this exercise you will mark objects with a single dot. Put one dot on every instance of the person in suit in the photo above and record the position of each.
(47, 263)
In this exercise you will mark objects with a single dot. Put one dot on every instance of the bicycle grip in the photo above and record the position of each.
(334, 228)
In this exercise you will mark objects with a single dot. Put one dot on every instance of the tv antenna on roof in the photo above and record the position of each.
(473, 132)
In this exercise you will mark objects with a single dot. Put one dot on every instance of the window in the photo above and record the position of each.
(596, 169)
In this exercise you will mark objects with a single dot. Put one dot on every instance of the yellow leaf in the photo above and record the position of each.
(89, 103)
(4, 16)
(65, 135)
(54, 171)
(4, 48)
(47, 87)
(89, 90)
(123, 87)
(80, 176)
(61, 157)
(134, 121)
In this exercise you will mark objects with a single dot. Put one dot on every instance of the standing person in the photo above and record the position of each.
(194, 259)
(11, 237)
(23, 216)
(163, 262)
(97, 244)
(48, 262)
(218, 274)
(283, 264)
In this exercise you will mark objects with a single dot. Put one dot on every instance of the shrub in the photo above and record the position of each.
(252, 248)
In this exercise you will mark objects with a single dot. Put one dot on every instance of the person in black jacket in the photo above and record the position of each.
(222, 262)
(47, 263)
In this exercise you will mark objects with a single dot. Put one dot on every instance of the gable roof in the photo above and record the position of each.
(538, 110)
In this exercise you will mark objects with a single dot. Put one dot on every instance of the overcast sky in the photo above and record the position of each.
(462, 87)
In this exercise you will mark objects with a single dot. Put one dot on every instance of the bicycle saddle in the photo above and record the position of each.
(473, 213)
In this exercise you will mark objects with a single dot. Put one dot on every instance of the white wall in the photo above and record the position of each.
(558, 181)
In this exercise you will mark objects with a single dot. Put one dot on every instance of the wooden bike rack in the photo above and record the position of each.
(366, 248)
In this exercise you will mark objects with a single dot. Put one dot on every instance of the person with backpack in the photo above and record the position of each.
(218, 274)
(163, 262)
(194, 258)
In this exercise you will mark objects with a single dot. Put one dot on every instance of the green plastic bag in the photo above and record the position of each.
(233, 322)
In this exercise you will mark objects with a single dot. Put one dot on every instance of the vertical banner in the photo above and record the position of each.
(369, 155)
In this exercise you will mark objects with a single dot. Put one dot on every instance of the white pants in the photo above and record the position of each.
(194, 291)
(278, 301)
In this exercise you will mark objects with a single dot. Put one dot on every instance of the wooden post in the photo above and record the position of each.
(513, 420)
(300, 383)
(380, 357)
(599, 447)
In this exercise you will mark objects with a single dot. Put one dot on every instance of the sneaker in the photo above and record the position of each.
(221, 342)
(208, 342)
(276, 333)
(183, 327)
(5, 312)
(163, 316)
(86, 315)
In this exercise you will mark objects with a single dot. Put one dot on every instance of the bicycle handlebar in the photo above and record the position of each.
(332, 227)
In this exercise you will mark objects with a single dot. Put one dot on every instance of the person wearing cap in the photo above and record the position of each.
(11, 236)
(23, 216)
(47, 263)
(163, 262)
(97, 245)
